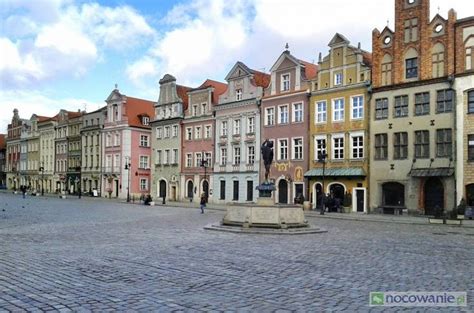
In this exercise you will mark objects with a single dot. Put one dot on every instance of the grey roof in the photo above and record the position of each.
(431, 172)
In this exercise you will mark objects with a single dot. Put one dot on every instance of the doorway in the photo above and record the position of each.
(283, 191)
(336, 195)
(470, 195)
(318, 194)
(205, 188)
(358, 201)
(190, 189)
(162, 191)
(117, 188)
(434, 195)
(249, 190)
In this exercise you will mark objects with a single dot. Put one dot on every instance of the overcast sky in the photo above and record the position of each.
(70, 53)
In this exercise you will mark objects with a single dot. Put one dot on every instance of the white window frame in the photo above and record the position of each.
(175, 156)
(189, 160)
(237, 156)
(280, 157)
(197, 132)
(236, 127)
(142, 164)
(361, 108)
(321, 113)
(208, 158)
(270, 121)
(207, 131)
(116, 139)
(167, 132)
(145, 187)
(293, 115)
(224, 128)
(238, 94)
(357, 134)
(338, 110)
(166, 159)
(333, 146)
(285, 84)
(159, 155)
(195, 110)
(250, 154)
(159, 132)
(197, 159)
(280, 111)
(146, 121)
(189, 133)
(175, 131)
(251, 125)
(223, 155)
(203, 108)
(144, 141)
(293, 148)
(338, 79)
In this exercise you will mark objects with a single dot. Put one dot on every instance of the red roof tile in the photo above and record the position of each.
(261, 79)
(138, 107)
(311, 70)
(182, 92)
(367, 56)
(219, 88)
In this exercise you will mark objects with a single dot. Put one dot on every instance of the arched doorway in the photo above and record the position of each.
(283, 191)
(470, 195)
(393, 194)
(434, 195)
(318, 193)
(336, 191)
(205, 188)
(162, 192)
(190, 189)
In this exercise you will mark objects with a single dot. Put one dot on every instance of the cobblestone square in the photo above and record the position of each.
(91, 254)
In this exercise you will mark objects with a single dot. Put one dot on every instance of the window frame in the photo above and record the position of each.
(422, 148)
(338, 148)
(411, 68)
(299, 112)
(443, 102)
(272, 115)
(285, 84)
(381, 146)
(359, 108)
(321, 113)
(339, 110)
(297, 149)
(280, 114)
(400, 145)
(423, 104)
(442, 143)
(360, 148)
(285, 147)
(400, 106)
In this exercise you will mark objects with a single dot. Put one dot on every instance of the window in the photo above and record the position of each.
(470, 147)
(175, 156)
(298, 148)
(189, 160)
(251, 125)
(400, 145)
(159, 133)
(236, 155)
(422, 103)
(297, 112)
(338, 110)
(470, 102)
(224, 128)
(269, 116)
(207, 131)
(197, 132)
(236, 130)
(167, 132)
(282, 149)
(381, 147)
(144, 161)
(222, 191)
(444, 101)
(381, 108)
(401, 106)
(285, 82)
(146, 120)
(386, 70)
(437, 59)
(144, 141)
(175, 130)
(357, 104)
(337, 79)
(223, 156)
(283, 114)
(444, 143)
(321, 112)
(158, 157)
(338, 148)
(189, 133)
(198, 159)
(203, 108)
(422, 144)
(143, 184)
(251, 154)
(411, 68)
(357, 142)
(167, 157)
(411, 30)
(238, 94)
(117, 140)
(208, 158)
(469, 58)
(195, 110)
(235, 194)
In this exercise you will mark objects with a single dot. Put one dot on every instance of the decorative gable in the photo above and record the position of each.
(338, 40)
(238, 71)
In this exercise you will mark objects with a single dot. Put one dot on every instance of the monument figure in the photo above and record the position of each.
(267, 156)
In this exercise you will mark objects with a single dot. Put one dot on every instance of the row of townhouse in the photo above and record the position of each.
(381, 131)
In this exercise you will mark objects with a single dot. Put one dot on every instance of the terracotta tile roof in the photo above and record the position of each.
(261, 79)
(219, 88)
(182, 92)
(2, 141)
(311, 70)
(42, 118)
(367, 57)
(135, 108)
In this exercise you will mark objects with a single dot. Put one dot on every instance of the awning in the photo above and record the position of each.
(431, 172)
(336, 172)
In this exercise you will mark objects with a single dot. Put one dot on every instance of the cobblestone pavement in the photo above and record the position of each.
(83, 255)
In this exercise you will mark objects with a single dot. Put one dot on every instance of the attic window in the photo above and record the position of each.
(387, 40)
(438, 28)
(145, 120)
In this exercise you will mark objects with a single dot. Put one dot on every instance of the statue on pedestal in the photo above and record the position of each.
(267, 156)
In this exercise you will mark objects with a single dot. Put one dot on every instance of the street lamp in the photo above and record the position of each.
(204, 163)
(322, 159)
(78, 181)
(128, 166)
(42, 178)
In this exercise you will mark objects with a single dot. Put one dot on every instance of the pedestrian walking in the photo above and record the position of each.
(23, 191)
(203, 203)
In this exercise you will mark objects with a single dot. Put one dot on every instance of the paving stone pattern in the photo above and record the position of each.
(95, 255)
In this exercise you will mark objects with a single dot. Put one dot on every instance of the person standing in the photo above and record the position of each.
(203, 203)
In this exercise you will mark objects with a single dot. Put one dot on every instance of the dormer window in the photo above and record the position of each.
(285, 82)
(195, 110)
(145, 120)
(238, 94)
(338, 79)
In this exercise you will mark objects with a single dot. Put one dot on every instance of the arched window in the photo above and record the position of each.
(437, 58)
(386, 70)
(469, 45)
(411, 64)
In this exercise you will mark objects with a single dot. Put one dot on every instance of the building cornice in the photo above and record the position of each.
(340, 89)
(417, 83)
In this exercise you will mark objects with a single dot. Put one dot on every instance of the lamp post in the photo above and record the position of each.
(78, 181)
(128, 166)
(42, 178)
(204, 164)
(322, 159)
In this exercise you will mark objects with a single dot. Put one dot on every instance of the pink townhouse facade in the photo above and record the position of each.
(285, 122)
(127, 147)
(198, 128)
